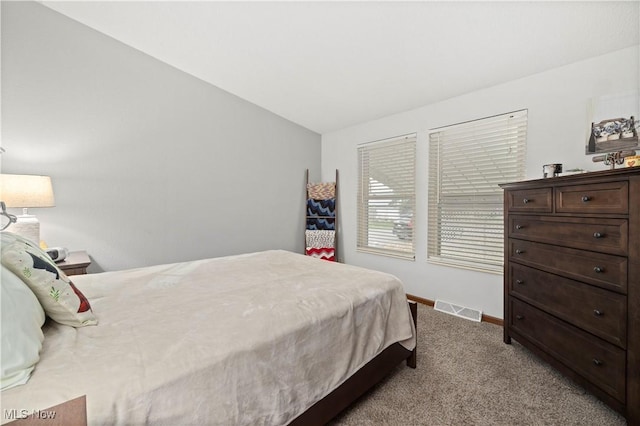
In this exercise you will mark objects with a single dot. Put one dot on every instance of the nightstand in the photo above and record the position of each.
(76, 263)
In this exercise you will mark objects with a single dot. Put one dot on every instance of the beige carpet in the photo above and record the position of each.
(466, 375)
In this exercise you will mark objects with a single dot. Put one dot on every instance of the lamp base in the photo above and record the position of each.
(27, 226)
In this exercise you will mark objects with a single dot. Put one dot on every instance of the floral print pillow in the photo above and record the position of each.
(60, 299)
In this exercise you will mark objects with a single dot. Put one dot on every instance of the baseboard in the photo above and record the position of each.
(485, 318)
(421, 300)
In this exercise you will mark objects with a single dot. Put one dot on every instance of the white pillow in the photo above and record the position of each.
(61, 299)
(22, 320)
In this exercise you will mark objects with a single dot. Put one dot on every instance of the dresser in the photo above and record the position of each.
(572, 279)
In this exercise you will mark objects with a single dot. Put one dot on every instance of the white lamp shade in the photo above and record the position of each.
(26, 191)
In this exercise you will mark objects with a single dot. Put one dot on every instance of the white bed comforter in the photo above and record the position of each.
(249, 339)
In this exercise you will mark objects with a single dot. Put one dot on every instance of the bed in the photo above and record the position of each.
(268, 338)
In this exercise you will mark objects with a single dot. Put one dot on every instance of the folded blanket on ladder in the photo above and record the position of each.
(322, 253)
(321, 191)
(320, 238)
(325, 208)
(316, 223)
(321, 244)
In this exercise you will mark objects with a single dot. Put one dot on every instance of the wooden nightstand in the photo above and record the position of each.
(76, 263)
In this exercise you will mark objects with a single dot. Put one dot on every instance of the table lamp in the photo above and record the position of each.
(26, 191)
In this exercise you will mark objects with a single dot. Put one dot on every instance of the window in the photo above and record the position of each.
(386, 197)
(466, 163)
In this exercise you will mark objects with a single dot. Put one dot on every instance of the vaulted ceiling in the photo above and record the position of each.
(328, 65)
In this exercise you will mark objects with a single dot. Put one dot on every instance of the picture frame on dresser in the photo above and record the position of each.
(572, 279)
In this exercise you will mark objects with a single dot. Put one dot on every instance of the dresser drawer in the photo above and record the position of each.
(601, 312)
(601, 363)
(596, 198)
(603, 270)
(603, 235)
(530, 200)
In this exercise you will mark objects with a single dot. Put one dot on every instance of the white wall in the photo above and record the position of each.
(149, 164)
(558, 103)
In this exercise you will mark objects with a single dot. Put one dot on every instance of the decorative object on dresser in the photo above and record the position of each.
(76, 263)
(551, 170)
(572, 279)
(26, 191)
(613, 134)
(632, 161)
(613, 158)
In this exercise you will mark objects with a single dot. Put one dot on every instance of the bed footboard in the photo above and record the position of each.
(364, 379)
(412, 361)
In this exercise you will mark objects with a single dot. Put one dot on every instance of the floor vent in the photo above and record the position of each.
(459, 311)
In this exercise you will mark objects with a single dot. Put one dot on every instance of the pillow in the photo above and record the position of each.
(22, 319)
(61, 300)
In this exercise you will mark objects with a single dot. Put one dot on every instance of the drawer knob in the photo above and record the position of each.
(519, 226)
(519, 317)
(526, 200)
(597, 362)
(586, 198)
(598, 312)
(519, 282)
(598, 270)
(597, 235)
(518, 251)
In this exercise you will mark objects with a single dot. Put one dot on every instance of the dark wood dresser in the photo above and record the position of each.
(572, 279)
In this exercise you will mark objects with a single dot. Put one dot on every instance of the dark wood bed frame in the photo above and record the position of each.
(364, 379)
(74, 412)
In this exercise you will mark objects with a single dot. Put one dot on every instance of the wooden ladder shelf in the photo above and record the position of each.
(321, 219)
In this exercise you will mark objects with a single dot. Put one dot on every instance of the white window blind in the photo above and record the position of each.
(466, 163)
(386, 197)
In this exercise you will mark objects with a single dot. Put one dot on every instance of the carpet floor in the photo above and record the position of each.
(466, 375)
